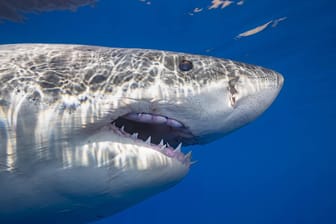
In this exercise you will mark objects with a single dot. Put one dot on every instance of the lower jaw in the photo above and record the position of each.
(165, 149)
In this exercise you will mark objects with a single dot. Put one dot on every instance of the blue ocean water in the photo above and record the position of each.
(280, 168)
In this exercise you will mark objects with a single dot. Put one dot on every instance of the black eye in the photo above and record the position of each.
(185, 65)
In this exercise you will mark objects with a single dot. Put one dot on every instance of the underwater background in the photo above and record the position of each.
(281, 168)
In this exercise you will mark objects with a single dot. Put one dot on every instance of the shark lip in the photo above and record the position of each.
(162, 133)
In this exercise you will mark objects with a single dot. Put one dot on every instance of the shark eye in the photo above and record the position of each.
(185, 65)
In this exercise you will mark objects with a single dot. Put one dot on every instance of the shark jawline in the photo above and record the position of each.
(162, 133)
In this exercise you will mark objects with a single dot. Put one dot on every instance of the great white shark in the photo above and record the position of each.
(88, 131)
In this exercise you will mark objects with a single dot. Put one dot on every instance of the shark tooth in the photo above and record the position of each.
(178, 148)
(187, 156)
(163, 147)
(135, 135)
(161, 142)
(148, 141)
(122, 128)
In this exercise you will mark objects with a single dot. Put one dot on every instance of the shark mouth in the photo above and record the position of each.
(164, 134)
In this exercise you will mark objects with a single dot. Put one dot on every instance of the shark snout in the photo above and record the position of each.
(272, 79)
(280, 80)
(258, 91)
(270, 83)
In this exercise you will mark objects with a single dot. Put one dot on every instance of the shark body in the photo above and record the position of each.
(88, 131)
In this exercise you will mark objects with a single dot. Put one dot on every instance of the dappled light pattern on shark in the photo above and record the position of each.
(88, 131)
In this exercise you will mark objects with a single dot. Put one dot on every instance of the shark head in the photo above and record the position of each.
(100, 129)
(193, 99)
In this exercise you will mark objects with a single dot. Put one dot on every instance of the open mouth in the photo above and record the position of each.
(163, 133)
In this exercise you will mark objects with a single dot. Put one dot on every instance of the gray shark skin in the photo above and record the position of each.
(86, 131)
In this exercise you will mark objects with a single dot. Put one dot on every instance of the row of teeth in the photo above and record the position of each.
(165, 148)
(154, 119)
